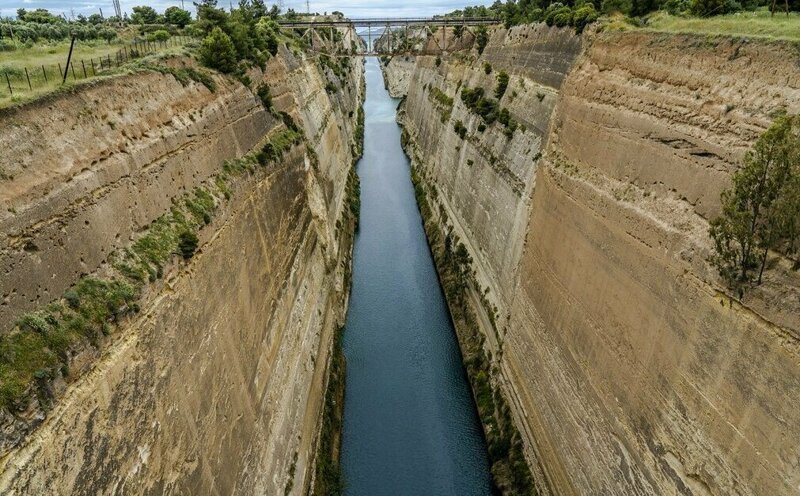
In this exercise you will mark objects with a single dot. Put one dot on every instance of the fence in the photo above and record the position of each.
(17, 80)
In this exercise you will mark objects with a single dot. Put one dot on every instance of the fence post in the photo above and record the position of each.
(94, 71)
(29, 79)
(45, 73)
(60, 71)
(126, 52)
(72, 66)
(69, 58)
(8, 82)
(84, 69)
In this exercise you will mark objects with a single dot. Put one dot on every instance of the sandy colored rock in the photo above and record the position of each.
(629, 367)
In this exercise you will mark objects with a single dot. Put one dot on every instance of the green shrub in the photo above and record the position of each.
(583, 16)
(487, 68)
(160, 35)
(217, 51)
(481, 38)
(265, 95)
(187, 244)
(617, 6)
(502, 84)
(706, 8)
(460, 129)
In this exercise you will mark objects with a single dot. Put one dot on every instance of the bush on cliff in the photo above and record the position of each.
(218, 52)
(761, 211)
(187, 244)
(502, 84)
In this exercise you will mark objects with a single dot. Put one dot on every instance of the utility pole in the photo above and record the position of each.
(308, 8)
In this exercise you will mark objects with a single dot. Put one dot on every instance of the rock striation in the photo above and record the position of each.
(629, 367)
(216, 385)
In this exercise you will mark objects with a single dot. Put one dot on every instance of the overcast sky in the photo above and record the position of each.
(351, 8)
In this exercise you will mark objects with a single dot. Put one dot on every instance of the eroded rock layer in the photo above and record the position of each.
(216, 385)
(629, 367)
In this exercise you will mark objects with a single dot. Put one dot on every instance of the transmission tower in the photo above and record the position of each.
(308, 8)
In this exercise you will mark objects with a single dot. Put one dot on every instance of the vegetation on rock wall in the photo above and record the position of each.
(327, 472)
(489, 109)
(761, 212)
(445, 102)
(510, 472)
(37, 349)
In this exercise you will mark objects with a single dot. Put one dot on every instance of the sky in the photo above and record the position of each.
(351, 8)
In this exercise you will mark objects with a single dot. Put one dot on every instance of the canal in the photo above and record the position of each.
(410, 425)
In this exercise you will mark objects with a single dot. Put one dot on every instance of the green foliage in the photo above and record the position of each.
(583, 16)
(40, 25)
(265, 96)
(481, 38)
(187, 244)
(477, 103)
(36, 349)
(445, 102)
(160, 35)
(761, 212)
(144, 14)
(278, 145)
(487, 68)
(182, 74)
(616, 6)
(177, 16)
(706, 8)
(460, 129)
(328, 477)
(502, 84)
(218, 52)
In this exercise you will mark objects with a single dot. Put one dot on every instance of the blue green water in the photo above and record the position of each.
(410, 425)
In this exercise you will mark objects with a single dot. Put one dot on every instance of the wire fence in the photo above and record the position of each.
(20, 80)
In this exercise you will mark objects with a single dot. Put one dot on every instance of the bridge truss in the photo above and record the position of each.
(389, 26)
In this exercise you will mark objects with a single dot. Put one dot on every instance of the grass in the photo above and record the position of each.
(50, 55)
(742, 24)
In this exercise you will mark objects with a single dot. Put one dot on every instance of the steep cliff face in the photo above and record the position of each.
(628, 366)
(216, 384)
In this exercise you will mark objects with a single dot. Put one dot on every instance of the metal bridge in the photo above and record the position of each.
(389, 25)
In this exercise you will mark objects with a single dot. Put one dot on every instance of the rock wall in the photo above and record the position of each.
(629, 367)
(216, 385)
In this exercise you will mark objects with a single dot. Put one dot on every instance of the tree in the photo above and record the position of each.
(95, 19)
(502, 84)
(177, 16)
(481, 38)
(144, 14)
(259, 9)
(761, 211)
(218, 52)
(707, 8)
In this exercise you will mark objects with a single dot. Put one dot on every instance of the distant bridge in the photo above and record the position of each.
(389, 24)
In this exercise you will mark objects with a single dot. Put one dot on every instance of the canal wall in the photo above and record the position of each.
(628, 366)
(211, 378)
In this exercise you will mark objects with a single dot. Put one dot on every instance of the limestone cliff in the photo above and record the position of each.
(628, 366)
(216, 384)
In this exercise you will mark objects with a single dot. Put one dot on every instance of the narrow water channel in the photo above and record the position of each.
(410, 425)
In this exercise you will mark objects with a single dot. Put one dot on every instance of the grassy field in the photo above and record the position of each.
(42, 63)
(747, 24)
